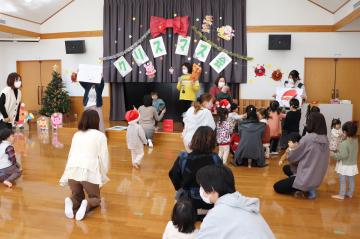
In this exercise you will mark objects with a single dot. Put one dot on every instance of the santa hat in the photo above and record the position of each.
(132, 115)
(224, 104)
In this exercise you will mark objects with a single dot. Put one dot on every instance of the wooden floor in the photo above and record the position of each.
(137, 204)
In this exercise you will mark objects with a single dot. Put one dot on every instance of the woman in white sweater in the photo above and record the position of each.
(87, 166)
(196, 116)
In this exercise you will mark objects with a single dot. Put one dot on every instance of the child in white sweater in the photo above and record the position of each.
(135, 137)
(87, 166)
(182, 224)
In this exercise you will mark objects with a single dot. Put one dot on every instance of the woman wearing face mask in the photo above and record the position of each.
(187, 88)
(234, 215)
(294, 81)
(183, 172)
(216, 88)
(197, 115)
(10, 101)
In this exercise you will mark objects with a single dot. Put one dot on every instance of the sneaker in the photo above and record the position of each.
(349, 196)
(339, 197)
(311, 194)
(69, 213)
(150, 144)
(82, 211)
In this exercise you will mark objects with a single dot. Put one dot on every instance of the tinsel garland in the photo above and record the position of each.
(219, 48)
(129, 49)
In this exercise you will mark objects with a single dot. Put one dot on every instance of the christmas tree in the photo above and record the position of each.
(56, 98)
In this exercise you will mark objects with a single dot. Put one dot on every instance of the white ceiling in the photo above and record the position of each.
(354, 26)
(330, 5)
(36, 11)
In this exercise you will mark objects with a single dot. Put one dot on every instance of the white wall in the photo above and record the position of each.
(80, 15)
(18, 23)
(48, 50)
(332, 44)
(286, 12)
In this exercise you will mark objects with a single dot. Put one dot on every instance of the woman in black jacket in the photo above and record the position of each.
(183, 172)
(93, 99)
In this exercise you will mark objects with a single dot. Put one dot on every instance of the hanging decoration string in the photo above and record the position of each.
(129, 49)
(219, 48)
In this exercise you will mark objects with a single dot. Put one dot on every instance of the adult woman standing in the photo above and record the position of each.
(10, 101)
(93, 99)
(308, 162)
(294, 81)
(251, 132)
(183, 172)
(187, 88)
(197, 115)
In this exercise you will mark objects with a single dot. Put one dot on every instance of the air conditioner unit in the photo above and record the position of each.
(20, 39)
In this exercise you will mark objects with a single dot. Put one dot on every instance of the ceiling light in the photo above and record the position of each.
(28, 1)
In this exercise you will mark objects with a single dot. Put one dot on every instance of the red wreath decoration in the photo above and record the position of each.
(259, 71)
(277, 75)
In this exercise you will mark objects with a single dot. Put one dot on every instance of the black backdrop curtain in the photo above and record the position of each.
(125, 21)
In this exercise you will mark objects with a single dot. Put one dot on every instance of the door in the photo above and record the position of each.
(30, 76)
(319, 79)
(348, 83)
(35, 75)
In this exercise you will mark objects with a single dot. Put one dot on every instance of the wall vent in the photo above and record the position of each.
(2, 21)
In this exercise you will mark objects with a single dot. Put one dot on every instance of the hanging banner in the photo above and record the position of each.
(182, 46)
(220, 62)
(158, 47)
(202, 51)
(122, 66)
(140, 56)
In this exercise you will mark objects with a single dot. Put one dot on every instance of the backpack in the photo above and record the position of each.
(193, 192)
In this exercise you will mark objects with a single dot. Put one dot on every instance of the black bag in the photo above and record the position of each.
(4, 125)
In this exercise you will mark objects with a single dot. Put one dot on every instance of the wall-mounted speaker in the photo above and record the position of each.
(75, 47)
(279, 42)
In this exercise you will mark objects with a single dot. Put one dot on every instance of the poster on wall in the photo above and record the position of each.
(182, 46)
(89, 73)
(122, 66)
(284, 95)
(158, 47)
(202, 51)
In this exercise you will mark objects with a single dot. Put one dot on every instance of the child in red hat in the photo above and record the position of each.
(135, 137)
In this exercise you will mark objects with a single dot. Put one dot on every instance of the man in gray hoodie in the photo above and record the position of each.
(234, 216)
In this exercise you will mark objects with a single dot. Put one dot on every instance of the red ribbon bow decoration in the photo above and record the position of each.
(158, 25)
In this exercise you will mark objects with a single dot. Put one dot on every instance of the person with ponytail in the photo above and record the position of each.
(10, 99)
(197, 115)
(250, 150)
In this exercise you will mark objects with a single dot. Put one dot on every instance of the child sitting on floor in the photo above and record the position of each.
(291, 123)
(135, 137)
(157, 103)
(9, 168)
(182, 224)
(293, 143)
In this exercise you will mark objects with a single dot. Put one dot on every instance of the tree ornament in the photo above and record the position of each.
(277, 75)
(259, 71)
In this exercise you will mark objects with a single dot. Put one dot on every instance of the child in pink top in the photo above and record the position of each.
(274, 122)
